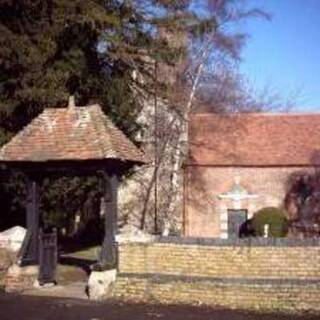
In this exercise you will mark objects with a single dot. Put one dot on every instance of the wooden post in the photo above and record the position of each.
(48, 257)
(108, 255)
(29, 251)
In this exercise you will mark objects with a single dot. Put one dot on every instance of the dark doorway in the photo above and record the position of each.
(235, 219)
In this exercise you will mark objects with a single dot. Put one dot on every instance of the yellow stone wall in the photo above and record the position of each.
(6, 260)
(259, 275)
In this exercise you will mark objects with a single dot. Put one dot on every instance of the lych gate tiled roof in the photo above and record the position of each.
(73, 133)
(254, 139)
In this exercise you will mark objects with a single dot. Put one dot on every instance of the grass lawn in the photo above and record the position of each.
(90, 253)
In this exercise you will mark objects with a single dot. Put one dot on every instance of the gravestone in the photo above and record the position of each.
(12, 238)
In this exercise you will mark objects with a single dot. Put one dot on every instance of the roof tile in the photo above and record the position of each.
(74, 133)
(254, 139)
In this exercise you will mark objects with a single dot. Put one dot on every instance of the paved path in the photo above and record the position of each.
(76, 290)
(16, 307)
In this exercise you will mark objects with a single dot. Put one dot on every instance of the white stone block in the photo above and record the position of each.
(224, 235)
(100, 284)
(132, 234)
(12, 238)
(224, 225)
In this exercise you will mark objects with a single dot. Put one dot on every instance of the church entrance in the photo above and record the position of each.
(236, 217)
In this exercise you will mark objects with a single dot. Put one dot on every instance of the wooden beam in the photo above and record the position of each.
(108, 255)
(69, 168)
(29, 252)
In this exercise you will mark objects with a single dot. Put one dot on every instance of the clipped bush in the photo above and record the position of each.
(275, 218)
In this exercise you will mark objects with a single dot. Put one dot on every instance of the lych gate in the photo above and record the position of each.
(70, 141)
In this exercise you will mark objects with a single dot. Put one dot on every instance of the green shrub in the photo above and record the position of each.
(275, 218)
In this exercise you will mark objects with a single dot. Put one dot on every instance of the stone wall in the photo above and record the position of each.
(6, 260)
(259, 273)
(203, 185)
(12, 277)
(19, 279)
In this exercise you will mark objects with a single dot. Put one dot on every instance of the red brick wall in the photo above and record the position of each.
(204, 184)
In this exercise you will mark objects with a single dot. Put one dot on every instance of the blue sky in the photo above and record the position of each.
(284, 53)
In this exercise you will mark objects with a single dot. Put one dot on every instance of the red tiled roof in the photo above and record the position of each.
(73, 133)
(256, 139)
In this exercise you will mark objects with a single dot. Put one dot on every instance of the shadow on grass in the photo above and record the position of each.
(78, 253)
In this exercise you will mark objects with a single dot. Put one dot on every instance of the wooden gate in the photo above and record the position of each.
(48, 257)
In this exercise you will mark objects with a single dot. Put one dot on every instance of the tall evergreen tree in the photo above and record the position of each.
(50, 49)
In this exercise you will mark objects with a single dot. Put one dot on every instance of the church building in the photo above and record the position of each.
(240, 163)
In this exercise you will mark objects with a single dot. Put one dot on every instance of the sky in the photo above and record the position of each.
(284, 54)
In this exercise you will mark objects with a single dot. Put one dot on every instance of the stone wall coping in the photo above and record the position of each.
(144, 238)
(218, 242)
